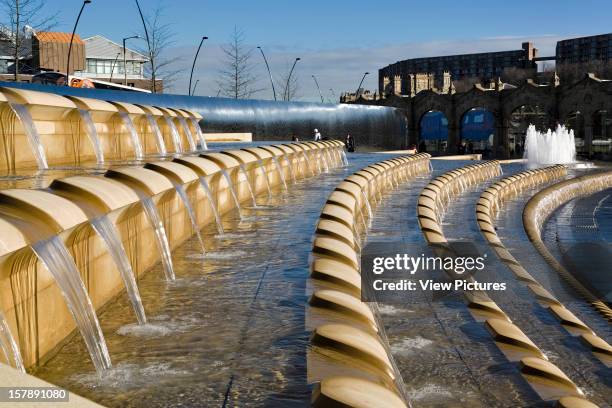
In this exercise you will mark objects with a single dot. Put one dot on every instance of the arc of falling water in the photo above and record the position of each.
(127, 121)
(159, 139)
(9, 345)
(191, 213)
(264, 173)
(213, 205)
(161, 238)
(90, 127)
(176, 138)
(290, 167)
(31, 133)
(203, 143)
(307, 161)
(192, 144)
(230, 185)
(250, 188)
(280, 171)
(108, 232)
(55, 257)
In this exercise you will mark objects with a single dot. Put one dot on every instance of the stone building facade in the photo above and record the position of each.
(486, 66)
(589, 97)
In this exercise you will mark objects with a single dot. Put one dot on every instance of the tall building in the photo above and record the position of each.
(485, 65)
(584, 49)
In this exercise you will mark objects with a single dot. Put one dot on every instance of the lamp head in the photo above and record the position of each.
(298, 58)
(87, 2)
(205, 38)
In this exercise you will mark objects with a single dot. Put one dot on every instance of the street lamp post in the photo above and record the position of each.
(76, 23)
(269, 73)
(195, 86)
(319, 89)
(151, 51)
(124, 58)
(113, 67)
(287, 96)
(360, 83)
(194, 63)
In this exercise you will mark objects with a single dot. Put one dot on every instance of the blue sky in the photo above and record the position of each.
(339, 40)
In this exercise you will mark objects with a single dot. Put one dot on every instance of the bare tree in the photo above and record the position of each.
(236, 77)
(289, 87)
(161, 38)
(19, 16)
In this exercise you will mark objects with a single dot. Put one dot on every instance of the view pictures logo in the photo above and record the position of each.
(404, 262)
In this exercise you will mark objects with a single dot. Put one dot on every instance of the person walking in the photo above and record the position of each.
(317, 135)
(349, 143)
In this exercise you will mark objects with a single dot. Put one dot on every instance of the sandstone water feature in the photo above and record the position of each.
(174, 134)
(127, 122)
(161, 238)
(108, 232)
(54, 255)
(32, 134)
(214, 322)
(159, 139)
(201, 138)
(190, 139)
(92, 133)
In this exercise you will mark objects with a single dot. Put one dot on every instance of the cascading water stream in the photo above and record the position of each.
(90, 128)
(230, 185)
(176, 138)
(127, 121)
(323, 158)
(279, 169)
(264, 173)
(213, 205)
(344, 158)
(180, 190)
(251, 190)
(307, 160)
(198, 129)
(161, 239)
(9, 346)
(32, 134)
(190, 139)
(290, 167)
(159, 139)
(367, 203)
(108, 232)
(55, 257)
